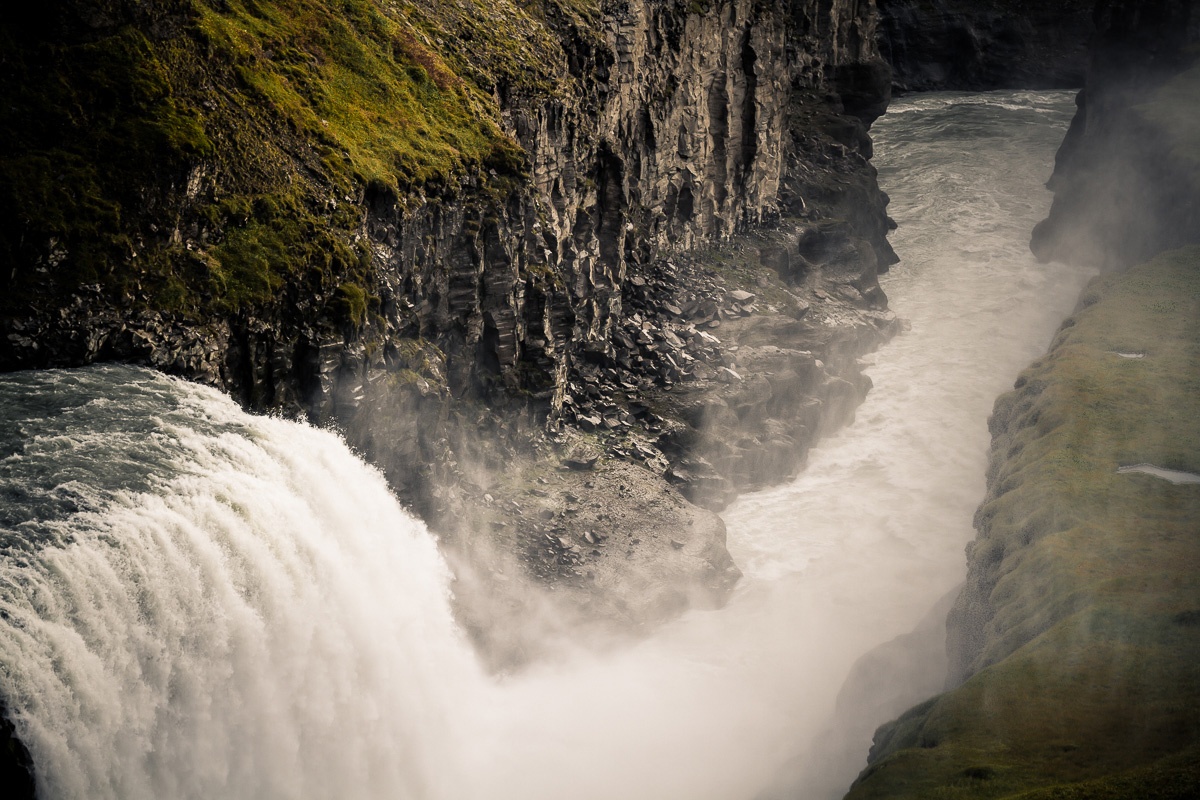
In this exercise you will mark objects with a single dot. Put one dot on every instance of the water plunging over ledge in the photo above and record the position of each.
(196, 603)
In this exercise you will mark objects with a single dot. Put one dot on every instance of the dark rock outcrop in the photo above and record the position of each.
(1000, 44)
(1127, 179)
(16, 765)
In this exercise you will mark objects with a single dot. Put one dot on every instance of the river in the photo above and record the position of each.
(197, 603)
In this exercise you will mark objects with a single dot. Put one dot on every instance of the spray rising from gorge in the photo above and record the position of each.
(200, 603)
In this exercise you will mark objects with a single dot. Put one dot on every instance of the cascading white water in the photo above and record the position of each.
(197, 603)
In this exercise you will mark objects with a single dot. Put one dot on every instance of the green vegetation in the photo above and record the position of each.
(355, 300)
(380, 103)
(1089, 684)
(203, 156)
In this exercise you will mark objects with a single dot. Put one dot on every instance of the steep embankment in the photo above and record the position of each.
(1076, 637)
(529, 256)
(936, 45)
(1073, 646)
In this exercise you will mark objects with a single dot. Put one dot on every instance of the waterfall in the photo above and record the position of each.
(198, 603)
(230, 606)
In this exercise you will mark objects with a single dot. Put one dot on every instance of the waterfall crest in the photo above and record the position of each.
(217, 605)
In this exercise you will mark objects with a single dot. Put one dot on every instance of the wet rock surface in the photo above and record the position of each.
(16, 765)
(600, 520)
(1000, 44)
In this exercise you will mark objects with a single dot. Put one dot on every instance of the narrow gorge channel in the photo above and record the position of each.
(212, 604)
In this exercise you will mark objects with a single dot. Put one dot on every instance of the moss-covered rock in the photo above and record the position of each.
(1076, 637)
(198, 155)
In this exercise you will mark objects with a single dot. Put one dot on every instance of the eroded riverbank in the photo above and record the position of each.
(1075, 637)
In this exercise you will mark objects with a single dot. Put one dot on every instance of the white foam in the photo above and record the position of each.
(267, 622)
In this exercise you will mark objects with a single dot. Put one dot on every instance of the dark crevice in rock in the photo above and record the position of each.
(749, 120)
(16, 765)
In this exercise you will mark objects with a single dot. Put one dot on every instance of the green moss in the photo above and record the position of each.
(77, 121)
(1095, 667)
(357, 79)
(353, 299)
(203, 155)
(250, 264)
(1173, 778)
(417, 362)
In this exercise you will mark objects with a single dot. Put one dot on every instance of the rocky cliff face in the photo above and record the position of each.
(733, 129)
(1128, 174)
(466, 234)
(527, 256)
(999, 44)
(666, 126)
(675, 128)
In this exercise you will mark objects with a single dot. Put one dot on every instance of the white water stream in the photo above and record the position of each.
(195, 603)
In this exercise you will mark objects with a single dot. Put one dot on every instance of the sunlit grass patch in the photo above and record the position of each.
(127, 153)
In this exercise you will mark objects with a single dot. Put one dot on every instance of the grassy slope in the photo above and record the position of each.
(1094, 688)
(288, 107)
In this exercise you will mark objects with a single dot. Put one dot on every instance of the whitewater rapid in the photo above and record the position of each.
(198, 603)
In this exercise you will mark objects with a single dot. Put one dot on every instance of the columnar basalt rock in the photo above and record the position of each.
(651, 167)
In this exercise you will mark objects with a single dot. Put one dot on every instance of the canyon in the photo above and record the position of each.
(573, 275)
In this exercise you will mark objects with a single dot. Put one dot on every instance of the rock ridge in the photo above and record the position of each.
(1072, 650)
(1071, 664)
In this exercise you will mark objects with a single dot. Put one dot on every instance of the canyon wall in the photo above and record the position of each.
(936, 45)
(557, 150)
(527, 257)
(481, 239)
(1127, 177)
(1072, 645)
